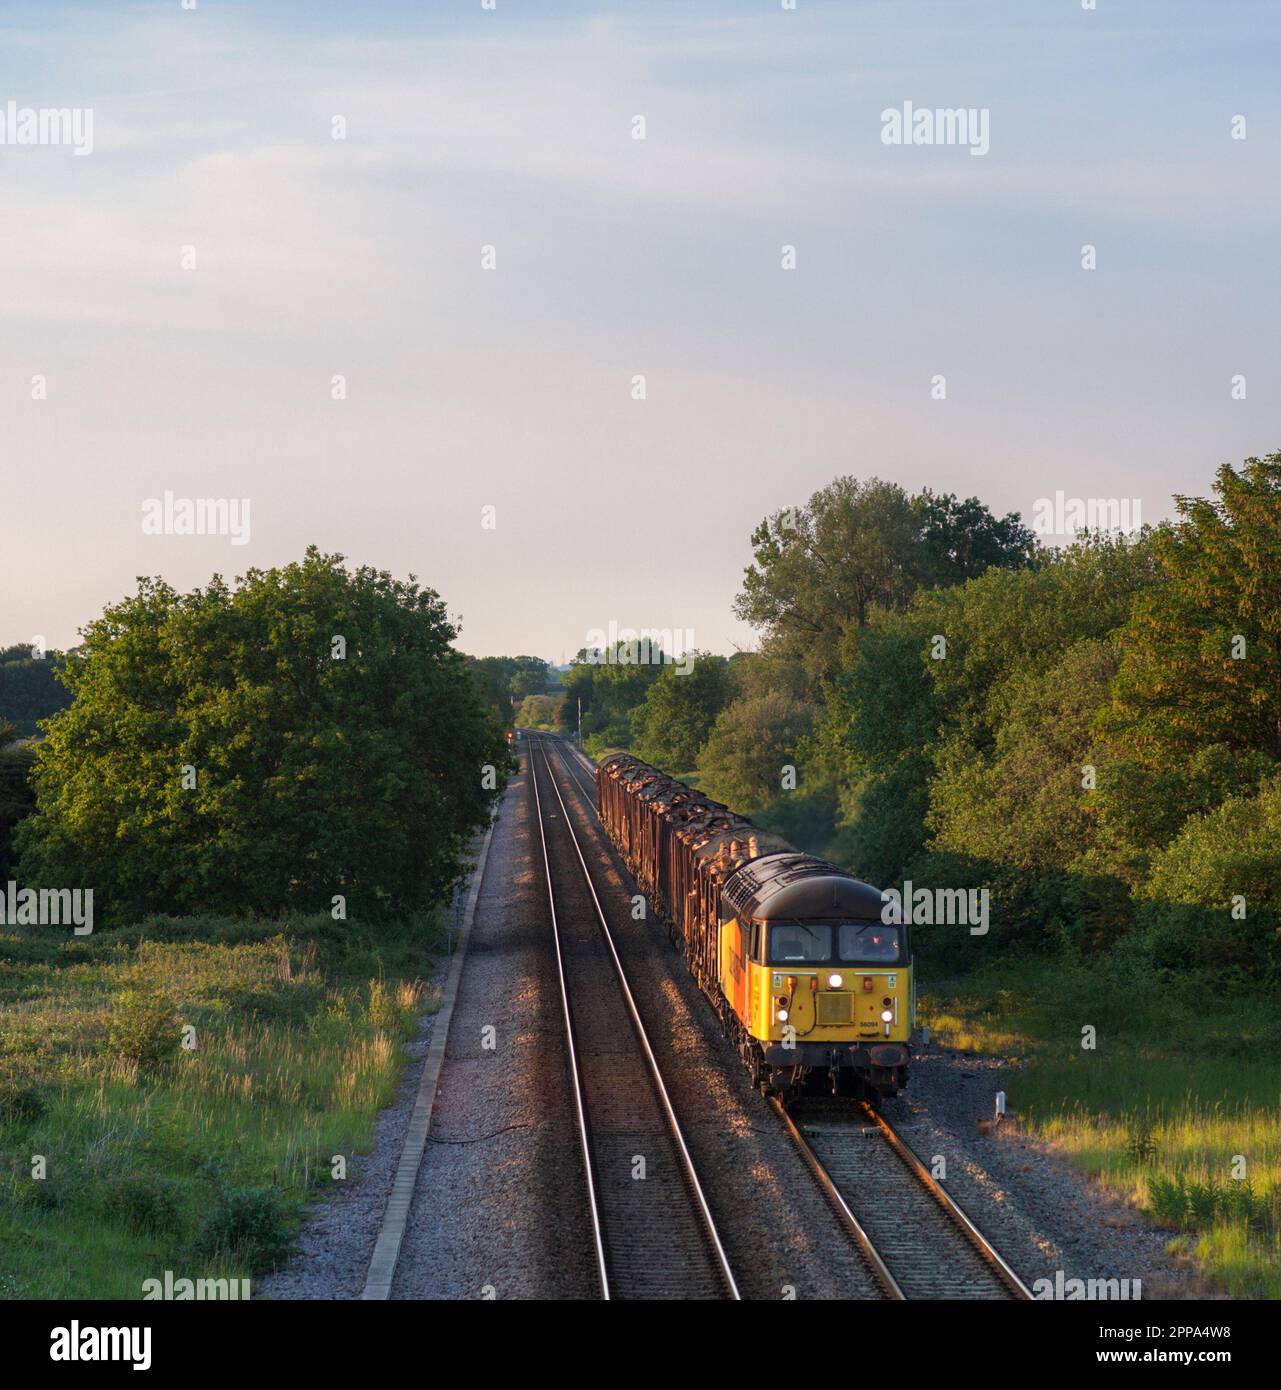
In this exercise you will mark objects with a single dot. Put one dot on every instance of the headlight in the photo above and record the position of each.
(887, 1016)
(835, 981)
(782, 1015)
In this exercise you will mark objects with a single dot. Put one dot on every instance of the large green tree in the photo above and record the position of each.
(307, 733)
(752, 744)
(679, 709)
(858, 546)
(1201, 656)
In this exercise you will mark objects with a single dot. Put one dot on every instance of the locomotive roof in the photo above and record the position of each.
(798, 885)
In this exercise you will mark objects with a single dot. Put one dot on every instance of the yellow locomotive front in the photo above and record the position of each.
(820, 985)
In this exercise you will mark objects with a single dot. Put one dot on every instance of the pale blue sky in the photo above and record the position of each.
(511, 388)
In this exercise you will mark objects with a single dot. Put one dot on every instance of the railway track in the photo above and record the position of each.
(653, 1232)
(912, 1235)
(918, 1240)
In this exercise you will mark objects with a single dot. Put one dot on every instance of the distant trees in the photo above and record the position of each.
(29, 686)
(611, 684)
(17, 796)
(308, 733)
(505, 680)
(530, 681)
(539, 712)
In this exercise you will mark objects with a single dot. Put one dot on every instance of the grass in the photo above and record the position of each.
(198, 1158)
(1177, 1107)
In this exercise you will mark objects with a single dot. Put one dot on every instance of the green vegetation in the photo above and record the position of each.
(17, 795)
(539, 712)
(306, 741)
(194, 1159)
(1177, 1107)
(504, 681)
(680, 708)
(29, 688)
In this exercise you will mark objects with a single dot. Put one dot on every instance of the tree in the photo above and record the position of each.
(960, 540)
(611, 684)
(1023, 803)
(539, 712)
(17, 796)
(1201, 657)
(752, 743)
(500, 678)
(1212, 903)
(822, 570)
(308, 733)
(529, 681)
(29, 686)
(937, 709)
(823, 567)
(679, 709)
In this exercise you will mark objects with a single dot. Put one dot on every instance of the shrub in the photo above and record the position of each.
(384, 1013)
(21, 1102)
(144, 1028)
(144, 1203)
(1186, 922)
(247, 1224)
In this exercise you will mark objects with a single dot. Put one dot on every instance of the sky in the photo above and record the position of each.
(178, 301)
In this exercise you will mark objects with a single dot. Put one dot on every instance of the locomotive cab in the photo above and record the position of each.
(822, 985)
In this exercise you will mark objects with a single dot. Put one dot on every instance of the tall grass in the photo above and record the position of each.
(294, 1038)
(1177, 1107)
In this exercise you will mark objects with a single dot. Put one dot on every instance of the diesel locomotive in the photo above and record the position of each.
(811, 986)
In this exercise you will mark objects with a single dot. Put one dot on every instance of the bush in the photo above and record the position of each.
(144, 1029)
(21, 1102)
(384, 1014)
(1185, 921)
(144, 1203)
(246, 1224)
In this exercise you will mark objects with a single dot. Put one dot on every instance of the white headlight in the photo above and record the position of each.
(835, 981)
(887, 1016)
(782, 1015)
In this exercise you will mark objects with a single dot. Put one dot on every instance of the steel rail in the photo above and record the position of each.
(584, 1131)
(949, 1204)
(660, 1086)
(833, 1194)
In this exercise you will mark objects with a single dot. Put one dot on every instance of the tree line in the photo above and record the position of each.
(1093, 732)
